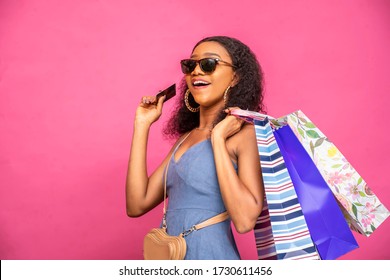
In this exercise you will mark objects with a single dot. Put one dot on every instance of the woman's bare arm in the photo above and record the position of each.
(242, 193)
(143, 192)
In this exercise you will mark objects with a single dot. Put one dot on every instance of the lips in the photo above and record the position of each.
(197, 83)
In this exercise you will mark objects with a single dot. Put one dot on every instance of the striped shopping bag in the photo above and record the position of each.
(282, 233)
(264, 237)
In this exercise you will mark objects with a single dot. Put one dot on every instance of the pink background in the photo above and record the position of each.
(73, 72)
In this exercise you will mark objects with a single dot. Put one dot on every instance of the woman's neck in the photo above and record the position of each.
(207, 116)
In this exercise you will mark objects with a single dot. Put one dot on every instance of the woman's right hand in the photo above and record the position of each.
(148, 111)
(143, 192)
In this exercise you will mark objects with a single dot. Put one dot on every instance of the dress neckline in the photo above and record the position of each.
(185, 152)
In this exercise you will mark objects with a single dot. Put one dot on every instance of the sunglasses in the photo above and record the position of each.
(207, 65)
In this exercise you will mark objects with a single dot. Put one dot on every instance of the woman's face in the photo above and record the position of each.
(208, 88)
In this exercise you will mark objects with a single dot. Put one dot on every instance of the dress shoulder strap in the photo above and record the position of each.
(165, 177)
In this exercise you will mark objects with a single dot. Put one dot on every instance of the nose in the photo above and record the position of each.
(197, 70)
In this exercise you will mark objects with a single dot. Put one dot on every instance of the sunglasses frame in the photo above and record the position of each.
(199, 62)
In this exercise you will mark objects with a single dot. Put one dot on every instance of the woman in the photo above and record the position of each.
(214, 165)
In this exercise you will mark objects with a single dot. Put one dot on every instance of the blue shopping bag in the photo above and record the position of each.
(328, 227)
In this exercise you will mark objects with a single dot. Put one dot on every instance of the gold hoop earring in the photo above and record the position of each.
(192, 109)
(225, 95)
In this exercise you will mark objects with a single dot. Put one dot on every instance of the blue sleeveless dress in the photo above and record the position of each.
(194, 196)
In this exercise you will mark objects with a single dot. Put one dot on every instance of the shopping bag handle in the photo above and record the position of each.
(250, 116)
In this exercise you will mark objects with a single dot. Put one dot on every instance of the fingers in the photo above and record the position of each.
(240, 121)
(160, 103)
(229, 109)
(152, 104)
(148, 100)
(231, 125)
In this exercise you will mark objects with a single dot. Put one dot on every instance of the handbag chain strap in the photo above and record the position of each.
(213, 220)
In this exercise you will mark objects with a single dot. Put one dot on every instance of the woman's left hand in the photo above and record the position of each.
(227, 127)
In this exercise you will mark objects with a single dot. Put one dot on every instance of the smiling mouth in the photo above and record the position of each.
(200, 84)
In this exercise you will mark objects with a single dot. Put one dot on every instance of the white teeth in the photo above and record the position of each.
(199, 83)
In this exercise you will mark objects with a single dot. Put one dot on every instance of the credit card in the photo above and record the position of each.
(168, 92)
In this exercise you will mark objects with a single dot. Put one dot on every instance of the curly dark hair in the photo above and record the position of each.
(247, 94)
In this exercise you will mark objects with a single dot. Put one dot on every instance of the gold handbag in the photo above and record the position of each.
(159, 245)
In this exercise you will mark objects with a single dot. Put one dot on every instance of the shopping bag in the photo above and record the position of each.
(362, 208)
(288, 237)
(327, 225)
(265, 243)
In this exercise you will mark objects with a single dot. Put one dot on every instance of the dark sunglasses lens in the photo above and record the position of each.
(208, 65)
(188, 65)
